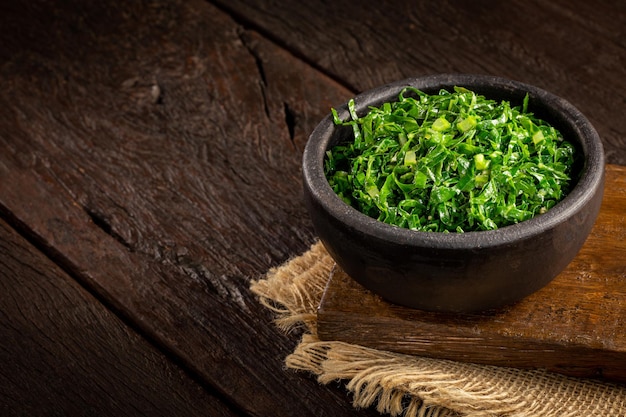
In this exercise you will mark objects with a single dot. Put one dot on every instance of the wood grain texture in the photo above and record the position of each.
(576, 325)
(63, 353)
(152, 149)
(574, 49)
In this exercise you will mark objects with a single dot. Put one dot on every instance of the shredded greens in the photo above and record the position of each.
(450, 162)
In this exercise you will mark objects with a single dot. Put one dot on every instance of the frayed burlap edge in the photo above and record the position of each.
(410, 386)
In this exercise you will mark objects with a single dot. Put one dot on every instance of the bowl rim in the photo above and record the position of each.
(590, 179)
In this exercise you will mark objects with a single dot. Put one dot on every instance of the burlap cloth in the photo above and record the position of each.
(403, 385)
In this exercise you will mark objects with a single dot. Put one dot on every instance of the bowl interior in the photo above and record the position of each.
(558, 112)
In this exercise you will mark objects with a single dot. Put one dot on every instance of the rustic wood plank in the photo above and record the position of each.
(574, 49)
(576, 325)
(64, 353)
(153, 150)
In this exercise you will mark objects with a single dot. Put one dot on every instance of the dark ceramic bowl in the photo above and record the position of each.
(457, 272)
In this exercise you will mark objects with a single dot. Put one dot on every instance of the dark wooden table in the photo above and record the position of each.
(150, 168)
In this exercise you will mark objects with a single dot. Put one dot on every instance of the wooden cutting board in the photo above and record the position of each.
(576, 325)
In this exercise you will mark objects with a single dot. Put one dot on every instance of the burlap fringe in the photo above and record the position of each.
(410, 386)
